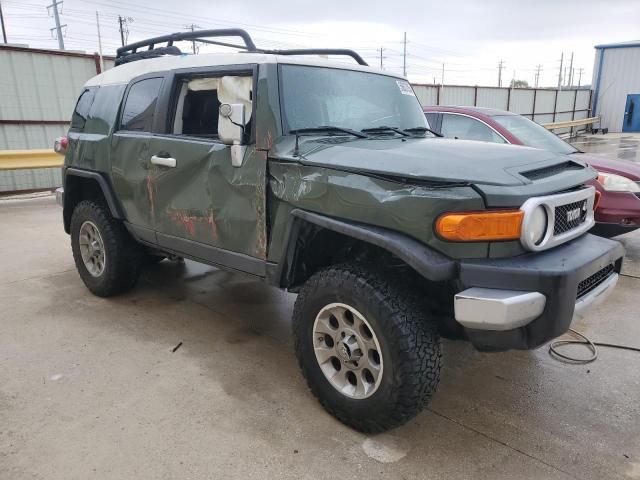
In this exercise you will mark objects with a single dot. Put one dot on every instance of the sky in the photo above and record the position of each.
(470, 37)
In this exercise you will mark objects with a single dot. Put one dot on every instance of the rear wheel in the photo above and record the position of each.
(366, 346)
(106, 257)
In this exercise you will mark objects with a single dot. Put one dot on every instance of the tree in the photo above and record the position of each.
(519, 84)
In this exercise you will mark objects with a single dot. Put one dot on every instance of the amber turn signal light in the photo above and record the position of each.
(480, 226)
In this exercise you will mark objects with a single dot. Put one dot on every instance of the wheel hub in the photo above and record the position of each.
(92, 248)
(347, 350)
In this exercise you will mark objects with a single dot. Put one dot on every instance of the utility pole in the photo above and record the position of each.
(58, 27)
(381, 49)
(120, 23)
(513, 79)
(580, 70)
(4, 30)
(193, 43)
(537, 81)
(442, 83)
(571, 70)
(404, 56)
(560, 73)
(500, 67)
(99, 42)
(123, 25)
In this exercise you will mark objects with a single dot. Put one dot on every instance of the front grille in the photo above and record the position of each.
(569, 216)
(589, 283)
(540, 173)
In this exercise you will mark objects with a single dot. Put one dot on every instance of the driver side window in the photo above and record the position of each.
(467, 128)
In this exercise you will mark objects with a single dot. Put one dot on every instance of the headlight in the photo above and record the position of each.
(536, 225)
(617, 183)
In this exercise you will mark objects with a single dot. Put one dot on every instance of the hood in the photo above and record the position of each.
(620, 167)
(430, 159)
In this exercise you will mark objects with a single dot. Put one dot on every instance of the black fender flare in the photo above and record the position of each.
(103, 183)
(429, 263)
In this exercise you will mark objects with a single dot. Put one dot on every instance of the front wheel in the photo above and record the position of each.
(366, 346)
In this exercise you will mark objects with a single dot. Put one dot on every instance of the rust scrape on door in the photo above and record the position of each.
(261, 232)
(151, 196)
(195, 223)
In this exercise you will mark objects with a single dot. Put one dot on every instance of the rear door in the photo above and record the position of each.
(631, 122)
(131, 170)
(203, 206)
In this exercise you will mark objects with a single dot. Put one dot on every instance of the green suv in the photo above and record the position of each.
(323, 178)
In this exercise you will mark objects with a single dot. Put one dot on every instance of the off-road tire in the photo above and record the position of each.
(123, 256)
(408, 339)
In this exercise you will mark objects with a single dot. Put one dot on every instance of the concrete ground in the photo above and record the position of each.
(90, 387)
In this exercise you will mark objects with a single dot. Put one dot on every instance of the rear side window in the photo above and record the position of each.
(140, 105)
(467, 128)
(81, 112)
(432, 119)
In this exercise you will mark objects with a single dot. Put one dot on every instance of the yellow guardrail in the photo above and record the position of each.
(571, 123)
(26, 159)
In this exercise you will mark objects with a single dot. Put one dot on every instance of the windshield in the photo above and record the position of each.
(533, 135)
(320, 96)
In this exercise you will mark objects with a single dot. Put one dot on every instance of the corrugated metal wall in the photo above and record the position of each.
(542, 105)
(38, 90)
(619, 76)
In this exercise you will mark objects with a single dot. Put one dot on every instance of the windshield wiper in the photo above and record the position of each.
(322, 129)
(384, 128)
(328, 129)
(423, 129)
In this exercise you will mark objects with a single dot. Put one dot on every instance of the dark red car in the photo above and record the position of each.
(619, 182)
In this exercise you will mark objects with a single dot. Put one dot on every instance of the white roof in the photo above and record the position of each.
(125, 73)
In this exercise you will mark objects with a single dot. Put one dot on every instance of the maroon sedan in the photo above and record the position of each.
(618, 181)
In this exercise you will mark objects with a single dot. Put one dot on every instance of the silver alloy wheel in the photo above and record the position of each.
(347, 350)
(92, 248)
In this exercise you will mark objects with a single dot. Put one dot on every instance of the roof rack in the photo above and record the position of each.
(131, 52)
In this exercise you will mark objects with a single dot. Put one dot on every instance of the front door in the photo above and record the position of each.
(203, 205)
(631, 122)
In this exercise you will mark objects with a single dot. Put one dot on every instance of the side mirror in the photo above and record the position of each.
(231, 123)
(231, 126)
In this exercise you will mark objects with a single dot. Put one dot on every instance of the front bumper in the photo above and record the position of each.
(60, 196)
(525, 301)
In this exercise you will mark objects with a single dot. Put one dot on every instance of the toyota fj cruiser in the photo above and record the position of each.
(323, 178)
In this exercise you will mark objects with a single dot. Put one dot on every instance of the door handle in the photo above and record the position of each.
(164, 161)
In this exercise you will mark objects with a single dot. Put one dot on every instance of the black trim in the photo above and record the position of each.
(556, 273)
(427, 262)
(142, 234)
(208, 254)
(105, 186)
(609, 230)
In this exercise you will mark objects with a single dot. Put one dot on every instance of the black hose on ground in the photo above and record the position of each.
(554, 349)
